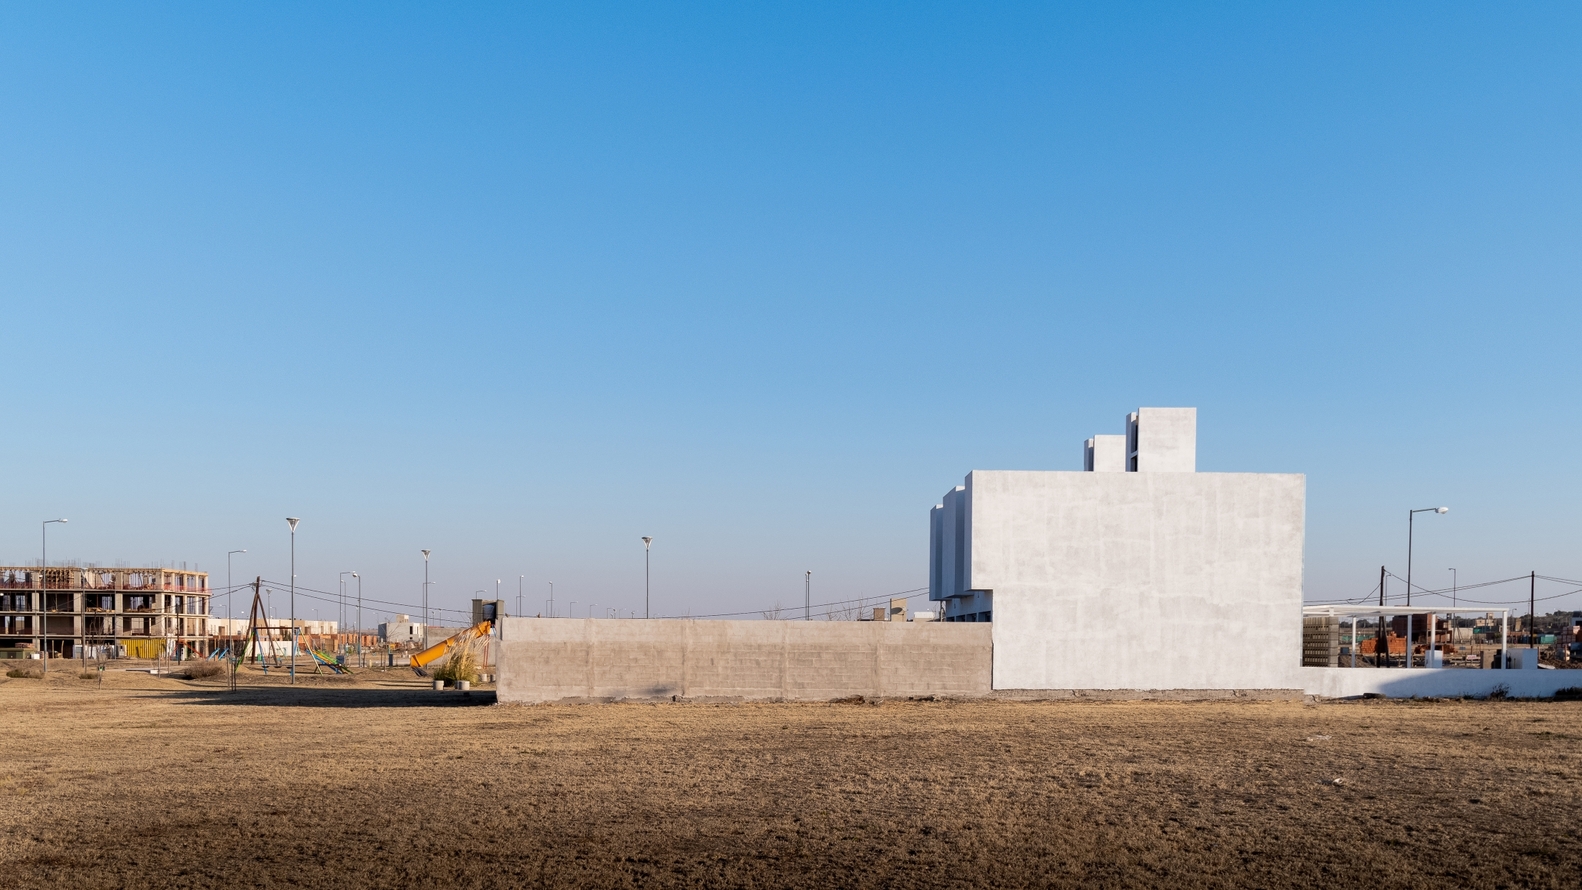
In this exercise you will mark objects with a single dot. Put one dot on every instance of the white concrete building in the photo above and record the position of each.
(1136, 573)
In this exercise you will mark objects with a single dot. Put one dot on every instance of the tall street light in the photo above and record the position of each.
(340, 607)
(807, 597)
(43, 587)
(359, 618)
(1411, 515)
(229, 591)
(519, 580)
(425, 600)
(292, 521)
(647, 540)
(552, 599)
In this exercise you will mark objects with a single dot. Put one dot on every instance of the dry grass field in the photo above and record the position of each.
(153, 782)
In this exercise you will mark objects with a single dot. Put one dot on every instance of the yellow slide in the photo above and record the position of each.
(442, 648)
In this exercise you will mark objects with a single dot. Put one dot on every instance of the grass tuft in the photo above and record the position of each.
(461, 665)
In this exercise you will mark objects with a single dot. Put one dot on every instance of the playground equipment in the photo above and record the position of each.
(439, 650)
(329, 661)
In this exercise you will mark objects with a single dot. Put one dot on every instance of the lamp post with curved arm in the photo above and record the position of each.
(229, 593)
(1410, 516)
(43, 588)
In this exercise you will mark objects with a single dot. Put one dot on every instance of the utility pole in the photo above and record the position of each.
(1381, 648)
(1532, 601)
(807, 597)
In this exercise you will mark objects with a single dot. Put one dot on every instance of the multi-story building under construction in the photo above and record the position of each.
(132, 612)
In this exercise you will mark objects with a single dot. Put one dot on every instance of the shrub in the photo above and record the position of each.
(461, 665)
(24, 673)
(88, 675)
(1570, 693)
(200, 669)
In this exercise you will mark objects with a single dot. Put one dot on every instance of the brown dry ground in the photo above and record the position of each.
(152, 782)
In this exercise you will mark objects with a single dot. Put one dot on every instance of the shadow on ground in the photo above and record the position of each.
(363, 697)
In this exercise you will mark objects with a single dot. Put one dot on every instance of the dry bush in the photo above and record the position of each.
(88, 675)
(461, 665)
(24, 673)
(199, 670)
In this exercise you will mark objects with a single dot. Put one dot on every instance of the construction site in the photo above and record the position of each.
(93, 612)
(990, 740)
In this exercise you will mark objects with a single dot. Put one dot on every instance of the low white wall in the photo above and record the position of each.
(1434, 682)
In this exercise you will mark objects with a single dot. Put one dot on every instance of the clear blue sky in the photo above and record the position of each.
(764, 281)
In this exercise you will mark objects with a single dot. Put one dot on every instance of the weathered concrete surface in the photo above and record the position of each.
(1137, 581)
(552, 659)
(1435, 682)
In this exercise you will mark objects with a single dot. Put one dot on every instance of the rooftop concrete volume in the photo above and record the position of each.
(554, 659)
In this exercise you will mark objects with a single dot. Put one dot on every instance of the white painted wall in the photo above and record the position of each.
(1164, 440)
(1104, 454)
(1435, 682)
(1147, 580)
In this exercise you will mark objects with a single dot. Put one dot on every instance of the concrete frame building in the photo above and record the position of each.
(138, 611)
(1137, 572)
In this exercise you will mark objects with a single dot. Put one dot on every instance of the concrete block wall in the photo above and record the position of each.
(555, 659)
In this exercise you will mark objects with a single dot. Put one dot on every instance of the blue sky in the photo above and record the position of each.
(521, 285)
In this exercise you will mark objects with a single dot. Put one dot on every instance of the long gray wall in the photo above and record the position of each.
(553, 659)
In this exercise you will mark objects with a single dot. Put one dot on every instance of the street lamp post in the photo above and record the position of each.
(552, 599)
(425, 600)
(519, 580)
(292, 521)
(340, 607)
(229, 592)
(590, 609)
(1410, 516)
(807, 597)
(647, 540)
(43, 588)
(359, 619)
